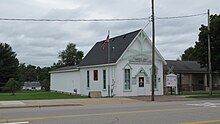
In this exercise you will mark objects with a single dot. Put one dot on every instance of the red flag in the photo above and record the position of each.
(106, 41)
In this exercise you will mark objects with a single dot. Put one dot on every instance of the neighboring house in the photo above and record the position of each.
(128, 72)
(32, 86)
(191, 76)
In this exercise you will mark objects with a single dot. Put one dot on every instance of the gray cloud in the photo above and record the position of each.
(38, 43)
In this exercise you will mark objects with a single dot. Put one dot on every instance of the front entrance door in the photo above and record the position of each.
(141, 86)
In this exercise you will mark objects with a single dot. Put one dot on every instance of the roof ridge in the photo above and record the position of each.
(121, 35)
(98, 56)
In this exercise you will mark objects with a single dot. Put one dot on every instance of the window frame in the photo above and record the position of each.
(127, 79)
(104, 80)
(88, 81)
(95, 75)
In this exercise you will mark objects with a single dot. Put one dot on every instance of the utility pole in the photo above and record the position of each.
(109, 82)
(153, 51)
(209, 56)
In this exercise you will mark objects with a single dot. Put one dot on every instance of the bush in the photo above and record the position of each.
(12, 85)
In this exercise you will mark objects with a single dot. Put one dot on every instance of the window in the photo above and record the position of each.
(88, 79)
(127, 84)
(141, 81)
(95, 75)
(104, 79)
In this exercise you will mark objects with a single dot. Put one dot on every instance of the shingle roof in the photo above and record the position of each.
(184, 67)
(118, 44)
(32, 84)
(98, 56)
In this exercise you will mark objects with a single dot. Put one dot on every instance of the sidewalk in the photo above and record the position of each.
(88, 102)
(65, 102)
(163, 98)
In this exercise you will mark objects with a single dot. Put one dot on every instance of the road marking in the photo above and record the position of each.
(206, 104)
(97, 114)
(203, 122)
(25, 122)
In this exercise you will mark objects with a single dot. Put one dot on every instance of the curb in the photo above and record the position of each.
(39, 106)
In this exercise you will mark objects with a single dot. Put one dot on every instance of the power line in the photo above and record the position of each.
(96, 20)
(173, 17)
(72, 20)
(178, 17)
(146, 25)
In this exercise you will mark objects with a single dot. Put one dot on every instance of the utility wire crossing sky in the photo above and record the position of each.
(38, 29)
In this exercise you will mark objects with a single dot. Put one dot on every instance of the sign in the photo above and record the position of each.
(171, 80)
(139, 60)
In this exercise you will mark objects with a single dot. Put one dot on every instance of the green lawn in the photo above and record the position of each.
(201, 94)
(205, 96)
(197, 92)
(37, 95)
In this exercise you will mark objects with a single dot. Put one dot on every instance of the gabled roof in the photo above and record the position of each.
(32, 84)
(184, 67)
(118, 44)
(99, 57)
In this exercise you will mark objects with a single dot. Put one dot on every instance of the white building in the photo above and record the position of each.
(31, 86)
(128, 72)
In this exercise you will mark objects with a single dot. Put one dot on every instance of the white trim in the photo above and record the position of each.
(139, 71)
(61, 71)
(128, 47)
(148, 39)
(101, 65)
(127, 66)
(129, 90)
(163, 60)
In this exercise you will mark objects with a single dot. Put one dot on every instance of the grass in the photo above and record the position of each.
(201, 94)
(37, 95)
(205, 96)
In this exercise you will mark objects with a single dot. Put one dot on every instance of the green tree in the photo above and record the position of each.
(12, 85)
(70, 56)
(31, 73)
(200, 51)
(8, 64)
(189, 55)
(22, 73)
(46, 84)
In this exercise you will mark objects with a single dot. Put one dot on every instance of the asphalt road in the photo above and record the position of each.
(182, 112)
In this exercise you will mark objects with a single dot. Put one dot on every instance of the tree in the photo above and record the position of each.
(8, 64)
(22, 73)
(70, 56)
(200, 50)
(189, 55)
(46, 84)
(33, 73)
(12, 85)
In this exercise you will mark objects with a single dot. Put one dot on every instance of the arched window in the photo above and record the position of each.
(127, 77)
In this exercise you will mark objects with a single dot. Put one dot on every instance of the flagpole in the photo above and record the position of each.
(109, 89)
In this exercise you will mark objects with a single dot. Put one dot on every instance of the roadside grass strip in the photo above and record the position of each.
(37, 95)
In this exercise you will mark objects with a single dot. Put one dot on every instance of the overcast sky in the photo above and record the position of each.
(38, 43)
